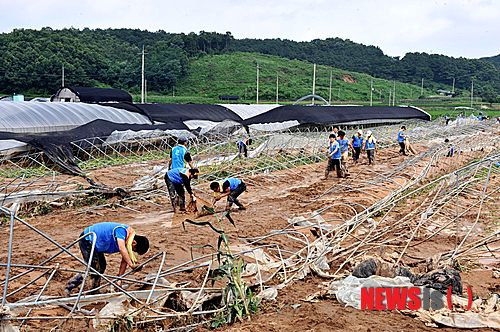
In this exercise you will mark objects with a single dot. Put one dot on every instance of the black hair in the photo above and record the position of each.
(332, 136)
(341, 133)
(446, 140)
(181, 140)
(214, 186)
(142, 244)
(335, 127)
(403, 127)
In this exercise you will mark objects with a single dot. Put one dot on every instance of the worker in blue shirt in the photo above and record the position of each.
(180, 156)
(230, 188)
(334, 157)
(357, 145)
(243, 146)
(370, 147)
(344, 151)
(401, 140)
(176, 180)
(110, 237)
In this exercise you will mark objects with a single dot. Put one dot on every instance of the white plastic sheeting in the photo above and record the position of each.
(26, 117)
(245, 111)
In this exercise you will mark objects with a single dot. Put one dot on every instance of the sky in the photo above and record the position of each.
(458, 28)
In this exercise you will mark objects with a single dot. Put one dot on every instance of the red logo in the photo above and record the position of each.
(412, 298)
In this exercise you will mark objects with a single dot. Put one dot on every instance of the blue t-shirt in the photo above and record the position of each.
(401, 136)
(370, 145)
(233, 183)
(107, 233)
(333, 146)
(175, 175)
(344, 145)
(178, 153)
(357, 141)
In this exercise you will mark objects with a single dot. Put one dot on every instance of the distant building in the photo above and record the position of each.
(90, 95)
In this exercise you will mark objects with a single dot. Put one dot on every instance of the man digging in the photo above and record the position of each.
(111, 237)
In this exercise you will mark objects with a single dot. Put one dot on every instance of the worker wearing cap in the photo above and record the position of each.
(230, 188)
(110, 237)
(370, 146)
(334, 157)
(401, 140)
(357, 145)
(177, 179)
(180, 156)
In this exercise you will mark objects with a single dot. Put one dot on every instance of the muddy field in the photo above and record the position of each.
(272, 201)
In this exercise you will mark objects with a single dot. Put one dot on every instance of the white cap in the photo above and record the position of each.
(360, 132)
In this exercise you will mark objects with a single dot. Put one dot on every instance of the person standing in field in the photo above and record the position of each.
(180, 156)
(344, 151)
(401, 140)
(357, 145)
(370, 147)
(334, 157)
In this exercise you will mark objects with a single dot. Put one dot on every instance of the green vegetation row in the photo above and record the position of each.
(31, 60)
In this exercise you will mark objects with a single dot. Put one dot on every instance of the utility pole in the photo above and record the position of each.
(371, 92)
(173, 91)
(330, 91)
(471, 92)
(314, 82)
(422, 87)
(146, 90)
(394, 94)
(257, 95)
(277, 86)
(62, 78)
(453, 87)
(142, 77)
(390, 96)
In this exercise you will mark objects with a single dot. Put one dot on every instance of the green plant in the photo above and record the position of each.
(122, 324)
(237, 296)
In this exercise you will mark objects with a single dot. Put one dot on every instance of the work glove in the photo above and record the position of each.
(193, 198)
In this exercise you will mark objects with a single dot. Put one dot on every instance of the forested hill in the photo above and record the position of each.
(349, 55)
(31, 60)
(494, 60)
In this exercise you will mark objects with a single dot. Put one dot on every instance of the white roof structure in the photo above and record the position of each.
(246, 111)
(26, 117)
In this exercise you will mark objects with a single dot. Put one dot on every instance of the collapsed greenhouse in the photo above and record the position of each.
(421, 212)
(45, 125)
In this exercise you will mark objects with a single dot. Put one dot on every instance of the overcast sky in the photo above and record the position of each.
(469, 28)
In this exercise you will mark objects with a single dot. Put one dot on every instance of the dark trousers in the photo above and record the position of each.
(402, 148)
(176, 193)
(98, 263)
(242, 150)
(334, 164)
(233, 195)
(357, 153)
(371, 156)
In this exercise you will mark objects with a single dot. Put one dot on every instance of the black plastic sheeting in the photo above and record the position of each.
(439, 279)
(56, 145)
(181, 112)
(322, 115)
(100, 95)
